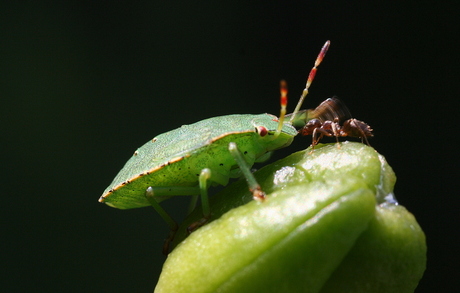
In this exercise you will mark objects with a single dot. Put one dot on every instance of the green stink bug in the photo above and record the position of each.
(187, 160)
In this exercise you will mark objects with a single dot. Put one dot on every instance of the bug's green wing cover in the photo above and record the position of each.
(329, 224)
(176, 157)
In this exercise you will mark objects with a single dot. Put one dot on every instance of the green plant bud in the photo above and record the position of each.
(329, 223)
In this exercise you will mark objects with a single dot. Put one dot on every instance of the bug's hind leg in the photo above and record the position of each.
(149, 194)
(254, 187)
(192, 204)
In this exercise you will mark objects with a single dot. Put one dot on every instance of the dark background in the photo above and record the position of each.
(83, 84)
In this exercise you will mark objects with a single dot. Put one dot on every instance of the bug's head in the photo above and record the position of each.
(267, 128)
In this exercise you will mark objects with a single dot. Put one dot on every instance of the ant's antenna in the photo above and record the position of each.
(311, 76)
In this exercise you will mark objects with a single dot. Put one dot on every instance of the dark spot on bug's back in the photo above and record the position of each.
(221, 164)
(246, 152)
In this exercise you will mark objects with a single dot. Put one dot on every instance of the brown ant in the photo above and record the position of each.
(330, 118)
(330, 121)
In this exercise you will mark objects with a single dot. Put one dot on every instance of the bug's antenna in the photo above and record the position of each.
(283, 102)
(311, 76)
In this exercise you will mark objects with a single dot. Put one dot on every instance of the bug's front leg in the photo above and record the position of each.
(254, 187)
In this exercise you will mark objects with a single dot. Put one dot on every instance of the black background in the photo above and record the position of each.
(83, 84)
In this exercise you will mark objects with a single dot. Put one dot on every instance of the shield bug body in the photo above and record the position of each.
(187, 160)
(171, 163)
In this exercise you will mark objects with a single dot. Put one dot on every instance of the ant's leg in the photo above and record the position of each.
(356, 128)
(335, 131)
(322, 133)
(365, 138)
(359, 126)
(314, 140)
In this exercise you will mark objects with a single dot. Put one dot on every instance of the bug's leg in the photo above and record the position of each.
(203, 183)
(192, 204)
(254, 187)
(264, 157)
(171, 223)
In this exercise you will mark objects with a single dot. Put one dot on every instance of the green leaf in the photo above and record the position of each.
(327, 225)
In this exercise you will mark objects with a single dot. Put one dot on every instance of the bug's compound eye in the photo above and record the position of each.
(261, 130)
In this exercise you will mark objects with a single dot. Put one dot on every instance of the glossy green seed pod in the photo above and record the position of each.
(330, 223)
